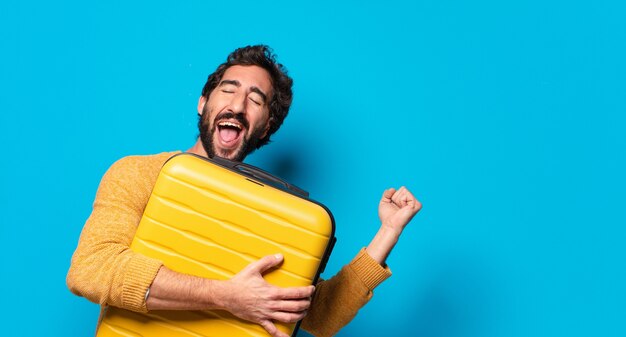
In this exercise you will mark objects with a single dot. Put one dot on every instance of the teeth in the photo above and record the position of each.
(230, 124)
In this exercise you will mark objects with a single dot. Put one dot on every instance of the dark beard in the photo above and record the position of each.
(248, 144)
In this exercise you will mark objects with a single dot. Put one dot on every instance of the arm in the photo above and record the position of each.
(395, 210)
(337, 300)
(106, 271)
(103, 268)
(246, 295)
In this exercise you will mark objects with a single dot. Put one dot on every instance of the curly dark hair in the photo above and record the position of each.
(262, 56)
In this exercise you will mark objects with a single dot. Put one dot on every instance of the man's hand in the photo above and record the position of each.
(246, 295)
(253, 299)
(395, 210)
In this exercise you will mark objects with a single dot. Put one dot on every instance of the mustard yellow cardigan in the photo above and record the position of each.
(106, 271)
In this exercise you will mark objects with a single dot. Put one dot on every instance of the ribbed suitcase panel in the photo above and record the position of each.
(176, 324)
(208, 221)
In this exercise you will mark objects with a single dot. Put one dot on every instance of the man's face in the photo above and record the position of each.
(236, 114)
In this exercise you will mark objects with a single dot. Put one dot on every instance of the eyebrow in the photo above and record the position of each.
(238, 84)
(258, 91)
(233, 82)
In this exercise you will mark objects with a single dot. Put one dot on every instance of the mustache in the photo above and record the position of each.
(239, 117)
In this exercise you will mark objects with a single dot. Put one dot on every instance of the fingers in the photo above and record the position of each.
(286, 311)
(293, 306)
(405, 214)
(272, 329)
(263, 264)
(416, 205)
(293, 293)
(403, 197)
(287, 317)
(400, 196)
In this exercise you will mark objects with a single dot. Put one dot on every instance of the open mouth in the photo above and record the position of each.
(229, 132)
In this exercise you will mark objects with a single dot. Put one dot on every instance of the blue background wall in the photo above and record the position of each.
(505, 118)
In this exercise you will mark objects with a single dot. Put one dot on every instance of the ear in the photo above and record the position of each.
(267, 128)
(201, 103)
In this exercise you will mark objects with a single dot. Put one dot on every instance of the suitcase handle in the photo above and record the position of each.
(257, 173)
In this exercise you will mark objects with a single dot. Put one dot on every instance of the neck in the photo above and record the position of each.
(198, 149)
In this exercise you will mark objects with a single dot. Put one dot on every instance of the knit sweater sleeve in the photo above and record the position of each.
(103, 268)
(338, 299)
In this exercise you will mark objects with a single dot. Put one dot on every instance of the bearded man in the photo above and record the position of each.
(242, 104)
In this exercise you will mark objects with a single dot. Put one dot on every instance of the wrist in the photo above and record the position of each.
(382, 244)
(217, 292)
(389, 232)
(370, 271)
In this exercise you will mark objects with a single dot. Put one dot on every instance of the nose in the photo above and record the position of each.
(238, 102)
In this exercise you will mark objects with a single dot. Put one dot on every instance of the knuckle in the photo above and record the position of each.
(273, 293)
(304, 305)
(282, 306)
(270, 305)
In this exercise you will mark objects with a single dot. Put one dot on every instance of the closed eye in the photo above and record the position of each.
(229, 86)
(255, 101)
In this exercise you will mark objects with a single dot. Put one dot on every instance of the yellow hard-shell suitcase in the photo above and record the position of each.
(213, 217)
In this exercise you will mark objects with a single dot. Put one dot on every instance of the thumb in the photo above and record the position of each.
(264, 264)
(387, 194)
(407, 212)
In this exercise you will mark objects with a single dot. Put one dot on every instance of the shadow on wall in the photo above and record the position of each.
(457, 300)
(286, 167)
(291, 159)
